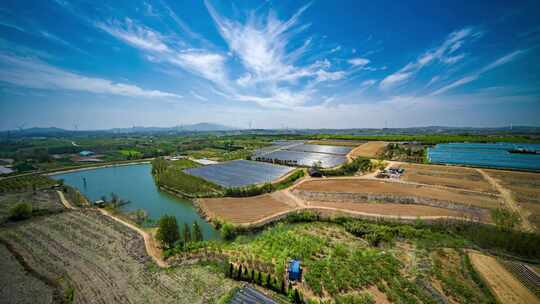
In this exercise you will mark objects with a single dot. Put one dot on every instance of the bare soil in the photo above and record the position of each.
(354, 185)
(243, 210)
(106, 262)
(453, 177)
(503, 284)
(391, 209)
(17, 286)
(43, 201)
(370, 149)
(525, 190)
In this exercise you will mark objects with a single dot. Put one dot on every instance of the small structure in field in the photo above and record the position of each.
(313, 172)
(86, 153)
(294, 270)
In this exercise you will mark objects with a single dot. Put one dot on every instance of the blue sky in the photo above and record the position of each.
(274, 64)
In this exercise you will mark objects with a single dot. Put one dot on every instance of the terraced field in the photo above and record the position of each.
(105, 262)
(447, 176)
(243, 210)
(525, 188)
(17, 285)
(363, 190)
(44, 201)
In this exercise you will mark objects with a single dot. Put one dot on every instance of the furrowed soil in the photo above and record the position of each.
(370, 149)
(18, 286)
(106, 262)
(244, 210)
(44, 201)
(524, 188)
(503, 284)
(447, 176)
(397, 210)
(377, 187)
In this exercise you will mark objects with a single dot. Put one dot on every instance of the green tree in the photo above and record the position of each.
(187, 233)
(505, 219)
(227, 231)
(197, 232)
(167, 232)
(21, 211)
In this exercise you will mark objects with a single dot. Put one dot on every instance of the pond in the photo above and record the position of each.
(486, 155)
(135, 183)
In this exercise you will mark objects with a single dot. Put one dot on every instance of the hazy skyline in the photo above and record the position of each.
(318, 64)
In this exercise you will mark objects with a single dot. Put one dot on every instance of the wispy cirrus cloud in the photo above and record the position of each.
(32, 73)
(359, 61)
(453, 42)
(472, 77)
(137, 35)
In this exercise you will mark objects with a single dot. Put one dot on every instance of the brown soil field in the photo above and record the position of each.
(453, 177)
(369, 149)
(525, 188)
(243, 210)
(17, 286)
(44, 201)
(391, 209)
(105, 262)
(365, 186)
(503, 284)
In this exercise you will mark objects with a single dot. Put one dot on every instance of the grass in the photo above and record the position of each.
(25, 182)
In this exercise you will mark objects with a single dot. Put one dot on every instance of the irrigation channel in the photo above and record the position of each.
(135, 184)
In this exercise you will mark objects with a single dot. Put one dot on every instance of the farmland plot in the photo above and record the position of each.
(240, 173)
(525, 188)
(454, 177)
(105, 262)
(42, 202)
(397, 192)
(17, 286)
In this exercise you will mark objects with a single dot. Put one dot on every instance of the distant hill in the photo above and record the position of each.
(198, 127)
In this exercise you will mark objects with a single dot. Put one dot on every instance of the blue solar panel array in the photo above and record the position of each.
(239, 173)
(339, 150)
(307, 158)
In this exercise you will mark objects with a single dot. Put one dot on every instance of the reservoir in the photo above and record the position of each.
(486, 155)
(136, 184)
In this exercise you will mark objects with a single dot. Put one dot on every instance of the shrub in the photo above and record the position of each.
(167, 232)
(21, 211)
(227, 231)
(505, 219)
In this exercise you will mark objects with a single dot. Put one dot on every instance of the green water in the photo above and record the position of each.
(135, 183)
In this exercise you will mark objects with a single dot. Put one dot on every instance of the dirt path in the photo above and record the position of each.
(508, 199)
(505, 287)
(64, 201)
(149, 241)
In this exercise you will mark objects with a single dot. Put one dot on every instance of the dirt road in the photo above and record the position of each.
(149, 242)
(508, 199)
(505, 287)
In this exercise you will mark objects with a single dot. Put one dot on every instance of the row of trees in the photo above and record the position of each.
(254, 190)
(168, 232)
(358, 164)
(242, 273)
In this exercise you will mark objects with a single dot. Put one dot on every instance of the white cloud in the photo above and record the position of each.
(368, 83)
(452, 43)
(453, 59)
(31, 73)
(207, 65)
(336, 49)
(198, 96)
(135, 34)
(359, 61)
(470, 78)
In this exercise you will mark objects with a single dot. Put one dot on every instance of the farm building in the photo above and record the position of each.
(86, 153)
(294, 270)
